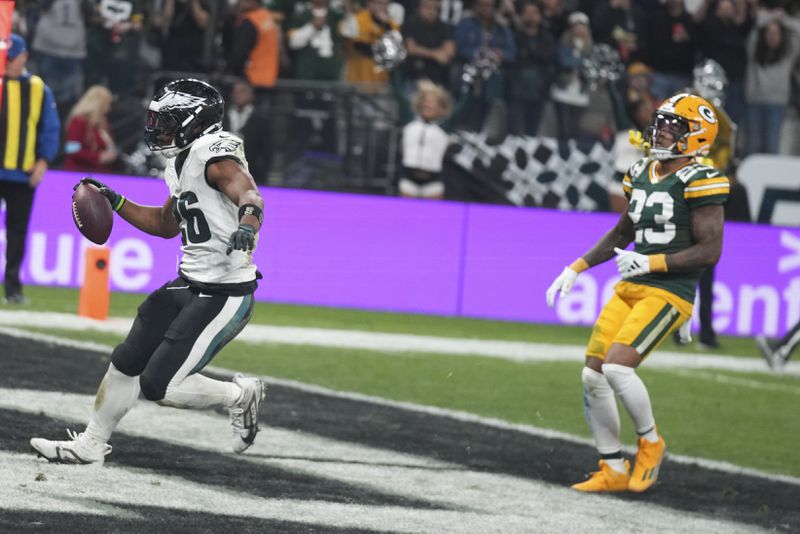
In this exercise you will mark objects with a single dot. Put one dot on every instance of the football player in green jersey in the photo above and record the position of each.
(675, 219)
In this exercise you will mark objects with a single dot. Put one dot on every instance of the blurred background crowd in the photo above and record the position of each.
(372, 95)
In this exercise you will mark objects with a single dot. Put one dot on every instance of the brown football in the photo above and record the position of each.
(92, 213)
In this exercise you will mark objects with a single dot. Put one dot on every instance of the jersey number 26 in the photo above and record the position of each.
(194, 228)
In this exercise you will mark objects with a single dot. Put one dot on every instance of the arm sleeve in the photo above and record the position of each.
(49, 134)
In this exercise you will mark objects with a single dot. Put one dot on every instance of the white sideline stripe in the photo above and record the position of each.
(432, 410)
(400, 343)
(733, 380)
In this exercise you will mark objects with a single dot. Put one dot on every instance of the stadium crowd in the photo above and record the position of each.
(537, 60)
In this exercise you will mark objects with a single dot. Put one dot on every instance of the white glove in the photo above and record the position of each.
(631, 263)
(685, 331)
(563, 283)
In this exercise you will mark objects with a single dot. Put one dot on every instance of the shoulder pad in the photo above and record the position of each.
(218, 144)
(638, 168)
(697, 171)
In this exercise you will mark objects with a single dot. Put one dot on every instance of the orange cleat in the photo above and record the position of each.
(648, 462)
(607, 480)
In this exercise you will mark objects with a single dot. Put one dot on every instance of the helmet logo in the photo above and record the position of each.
(707, 114)
(178, 99)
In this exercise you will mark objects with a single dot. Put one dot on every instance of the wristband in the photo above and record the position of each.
(251, 209)
(658, 263)
(119, 203)
(579, 265)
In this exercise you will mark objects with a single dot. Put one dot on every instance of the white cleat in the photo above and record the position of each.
(244, 414)
(79, 449)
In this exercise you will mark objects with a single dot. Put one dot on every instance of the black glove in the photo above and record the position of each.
(113, 197)
(244, 238)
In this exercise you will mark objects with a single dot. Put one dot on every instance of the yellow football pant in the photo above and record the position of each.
(639, 316)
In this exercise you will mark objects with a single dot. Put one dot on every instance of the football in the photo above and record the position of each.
(92, 213)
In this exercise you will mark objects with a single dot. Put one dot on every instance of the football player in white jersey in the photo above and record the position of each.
(216, 208)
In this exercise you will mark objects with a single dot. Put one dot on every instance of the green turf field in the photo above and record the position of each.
(746, 419)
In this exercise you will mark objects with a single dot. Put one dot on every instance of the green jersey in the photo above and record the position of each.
(660, 208)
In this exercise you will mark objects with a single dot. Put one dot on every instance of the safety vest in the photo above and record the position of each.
(262, 65)
(20, 111)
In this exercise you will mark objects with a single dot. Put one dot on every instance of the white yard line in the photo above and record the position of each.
(404, 343)
(432, 410)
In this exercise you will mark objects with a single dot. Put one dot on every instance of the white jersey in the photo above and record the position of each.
(207, 216)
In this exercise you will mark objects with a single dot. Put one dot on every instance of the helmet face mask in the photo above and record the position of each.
(160, 130)
(674, 127)
(180, 113)
(688, 123)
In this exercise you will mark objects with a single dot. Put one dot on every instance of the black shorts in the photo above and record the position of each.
(178, 330)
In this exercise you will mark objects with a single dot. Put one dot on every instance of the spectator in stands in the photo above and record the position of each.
(59, 47)
(555, 17)
(771, 52)
(570, 92)
(618, 23)
(430, 45)
(670, 47)
(184, 24)
(723, 38)
(89, 146)
(250, 121)
(478, 34)
(255, 50)
(113, 45)
(314, 41)
(640, 78)
(532, 72)
(361, 30)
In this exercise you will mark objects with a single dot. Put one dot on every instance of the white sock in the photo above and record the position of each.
(617, 464)
(116, 395)
(198, 391)
(633, 393)
(600, 409)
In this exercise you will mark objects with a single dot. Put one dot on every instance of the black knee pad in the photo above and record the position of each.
(152, 388)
